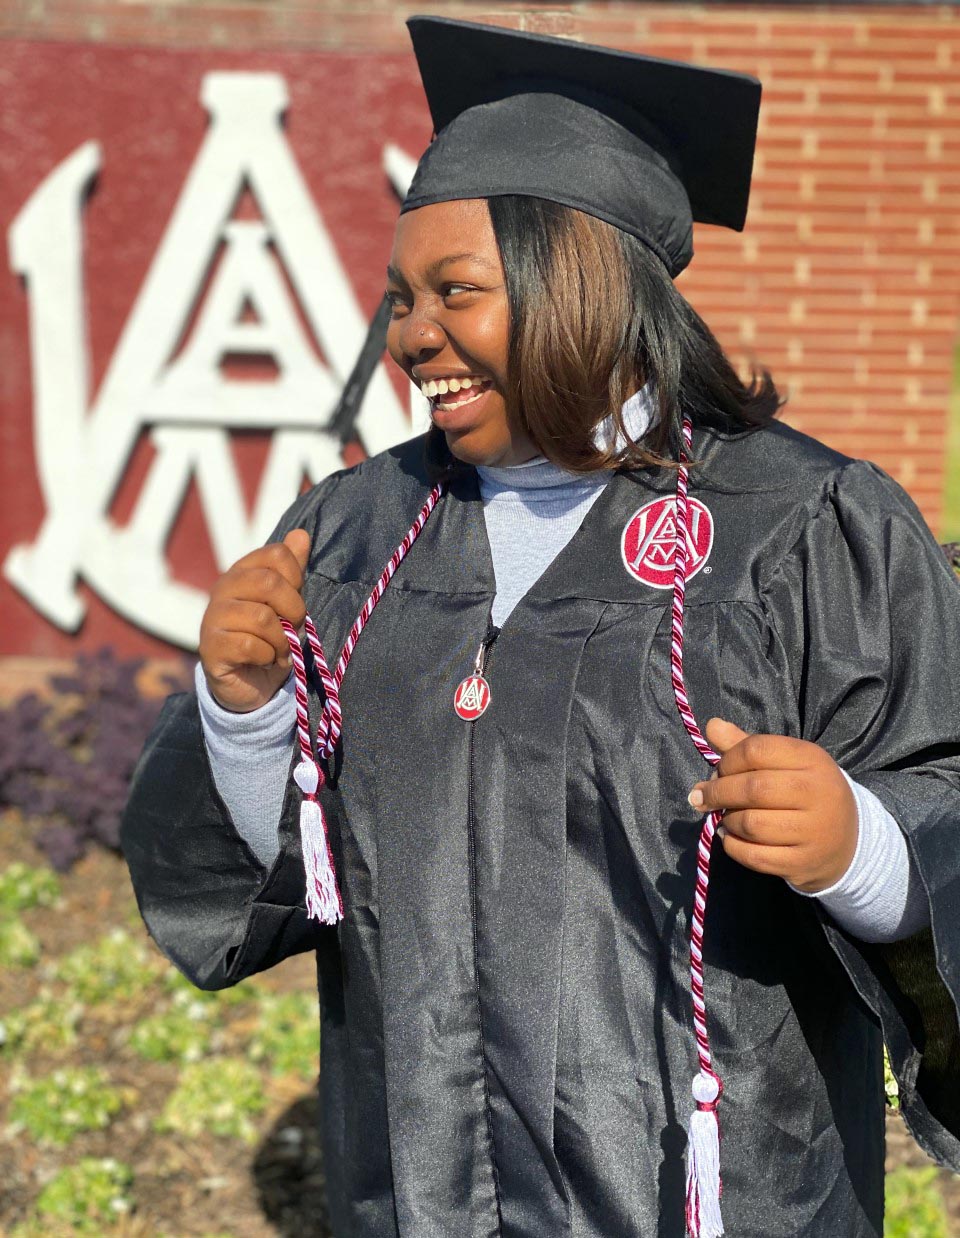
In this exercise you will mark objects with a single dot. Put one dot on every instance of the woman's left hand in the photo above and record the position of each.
(789, 810)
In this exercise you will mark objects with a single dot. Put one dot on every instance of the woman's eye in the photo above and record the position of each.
(453, 290)
(395, 300)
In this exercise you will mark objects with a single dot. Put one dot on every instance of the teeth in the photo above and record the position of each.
(443, 385)
(460, 403)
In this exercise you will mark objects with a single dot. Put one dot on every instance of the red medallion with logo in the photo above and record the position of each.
(649, 540)
(472, 697)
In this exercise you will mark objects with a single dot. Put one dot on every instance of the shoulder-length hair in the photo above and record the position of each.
(594, 316)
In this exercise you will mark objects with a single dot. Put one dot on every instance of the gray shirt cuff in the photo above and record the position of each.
(250, 758)
(880, 898)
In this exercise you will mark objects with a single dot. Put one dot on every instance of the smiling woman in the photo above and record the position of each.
(501, 841)
(567, 332)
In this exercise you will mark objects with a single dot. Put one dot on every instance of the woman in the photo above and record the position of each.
(506, 1029)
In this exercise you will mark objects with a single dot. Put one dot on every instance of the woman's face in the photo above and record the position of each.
(449, 327)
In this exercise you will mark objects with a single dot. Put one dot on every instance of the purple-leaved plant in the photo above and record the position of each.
(66, 762)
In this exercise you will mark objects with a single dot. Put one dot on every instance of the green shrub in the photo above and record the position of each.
(286, 1037)
(115, 967)
(18, 946)
(56, 1107)
(182, 1034)
(89, 1197)
(23, 886)
(218, 1096)
(914, 1205)
(46, 1023)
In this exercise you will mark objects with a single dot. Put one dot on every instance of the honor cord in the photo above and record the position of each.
(324, 901)
(703, 1145)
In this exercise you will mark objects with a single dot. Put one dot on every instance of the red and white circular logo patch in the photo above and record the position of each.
(649, 538)
(472, 697)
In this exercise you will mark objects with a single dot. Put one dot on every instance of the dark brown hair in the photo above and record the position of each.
(594, 315)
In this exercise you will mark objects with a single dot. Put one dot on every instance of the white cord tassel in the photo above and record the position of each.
(323, 897)
(703, 1161)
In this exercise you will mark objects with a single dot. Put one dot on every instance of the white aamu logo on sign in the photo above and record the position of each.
(83, 446)
(647, 545)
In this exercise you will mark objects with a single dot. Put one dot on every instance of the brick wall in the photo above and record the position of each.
(846, 282)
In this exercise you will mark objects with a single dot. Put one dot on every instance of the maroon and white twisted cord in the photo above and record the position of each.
(324, 901)
(703, 1167)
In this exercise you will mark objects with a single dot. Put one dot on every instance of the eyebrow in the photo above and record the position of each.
(436, 267)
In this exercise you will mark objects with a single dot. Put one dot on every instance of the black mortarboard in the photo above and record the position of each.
(648, 145)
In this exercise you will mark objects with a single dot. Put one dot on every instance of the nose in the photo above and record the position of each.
(420, 332)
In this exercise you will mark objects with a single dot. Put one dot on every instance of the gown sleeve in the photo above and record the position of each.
(212, 907)
(868, 610)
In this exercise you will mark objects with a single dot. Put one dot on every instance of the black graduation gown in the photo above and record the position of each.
(506, 1025)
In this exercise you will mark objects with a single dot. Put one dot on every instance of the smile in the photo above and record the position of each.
(447, 405)
(459, 390)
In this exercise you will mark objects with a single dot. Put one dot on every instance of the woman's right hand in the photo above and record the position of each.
(243, 649)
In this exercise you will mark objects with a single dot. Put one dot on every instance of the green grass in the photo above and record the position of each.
(23, 886)
(91, 1197)
(951, 509)
(18, 946)
(914, 1207)
(54, 1109)
(116, 967)
(221, 1096)
(183, 1034)
(46, 1023)
(286, 1035)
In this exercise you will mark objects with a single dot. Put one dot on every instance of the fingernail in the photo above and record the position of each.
(695, 798)
(721, 832)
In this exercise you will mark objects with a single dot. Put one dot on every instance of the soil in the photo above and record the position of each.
(202, 1186)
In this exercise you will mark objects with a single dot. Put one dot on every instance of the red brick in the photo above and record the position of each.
(874, 70)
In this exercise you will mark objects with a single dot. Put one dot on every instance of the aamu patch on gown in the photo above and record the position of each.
(649, 537)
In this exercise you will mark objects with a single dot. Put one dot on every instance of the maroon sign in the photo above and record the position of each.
(197, 240)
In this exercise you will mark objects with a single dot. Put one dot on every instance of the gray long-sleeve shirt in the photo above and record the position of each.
(531, 512)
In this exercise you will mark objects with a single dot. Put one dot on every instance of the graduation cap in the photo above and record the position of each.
(648, 145)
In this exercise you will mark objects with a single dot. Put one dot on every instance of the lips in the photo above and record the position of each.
(456, 412)
(460, 400)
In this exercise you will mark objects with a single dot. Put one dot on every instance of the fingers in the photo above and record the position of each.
(287, 561)
(266, 587)
(772, 860)
(763, 751)
(254, 619)
(757, 788)
(237, 649)
(765, 828)
(297, 542)
(723, 734)
(243, 648)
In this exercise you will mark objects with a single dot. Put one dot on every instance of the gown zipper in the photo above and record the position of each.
(485, 647)
(483, 656)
